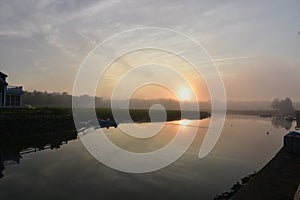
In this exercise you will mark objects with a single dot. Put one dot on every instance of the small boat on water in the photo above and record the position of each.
(107, 123)
(102, 123)
(289, 118)
(265, 115)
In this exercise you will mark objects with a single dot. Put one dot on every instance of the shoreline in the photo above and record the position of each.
(278, 179)
(25, 122)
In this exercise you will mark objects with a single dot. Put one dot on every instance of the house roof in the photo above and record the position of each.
(2, 78)
(3, 75)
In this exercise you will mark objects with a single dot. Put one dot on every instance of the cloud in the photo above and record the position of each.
(59, 34)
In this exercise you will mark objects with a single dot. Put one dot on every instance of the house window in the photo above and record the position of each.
(13, 100)
(7, 100)
(18, 101)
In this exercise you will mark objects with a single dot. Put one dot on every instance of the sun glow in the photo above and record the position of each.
(184, 94)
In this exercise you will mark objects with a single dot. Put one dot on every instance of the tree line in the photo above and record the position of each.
(43, 99)
(55, 99)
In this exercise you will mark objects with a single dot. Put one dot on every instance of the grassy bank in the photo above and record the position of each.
(40, 120)
(46, 113)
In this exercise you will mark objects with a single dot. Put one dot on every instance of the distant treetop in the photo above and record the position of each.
(284, 106)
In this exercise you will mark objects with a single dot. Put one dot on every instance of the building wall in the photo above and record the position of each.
(9, 97)
(2, 92)
(13, 100)
(1, 99)
(298, 119)
(13, 97)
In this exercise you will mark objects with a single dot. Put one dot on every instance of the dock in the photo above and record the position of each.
(280, 178)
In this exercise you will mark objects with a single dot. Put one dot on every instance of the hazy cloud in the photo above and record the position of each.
(256, 42)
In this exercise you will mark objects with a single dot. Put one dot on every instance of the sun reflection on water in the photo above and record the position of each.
(185, 122)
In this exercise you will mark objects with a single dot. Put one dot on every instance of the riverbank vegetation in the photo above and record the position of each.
(46, 119)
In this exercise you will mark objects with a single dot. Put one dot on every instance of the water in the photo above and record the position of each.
(70, 172)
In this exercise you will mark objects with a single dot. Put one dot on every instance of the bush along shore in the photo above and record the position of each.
(14, 122)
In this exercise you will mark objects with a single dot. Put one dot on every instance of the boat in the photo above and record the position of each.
(107, 123)
(289, 118)
(265, 115)
(102, 123)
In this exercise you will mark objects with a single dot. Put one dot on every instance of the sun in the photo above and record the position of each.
(184, 94)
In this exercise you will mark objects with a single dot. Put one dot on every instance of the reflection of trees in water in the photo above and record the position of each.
(11, 150)
(280, 122)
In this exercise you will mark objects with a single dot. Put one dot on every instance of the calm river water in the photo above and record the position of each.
(70, 172)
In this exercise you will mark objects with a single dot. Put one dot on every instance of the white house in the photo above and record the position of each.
(10, 96)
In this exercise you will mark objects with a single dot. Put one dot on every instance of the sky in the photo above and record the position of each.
(254, 44)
